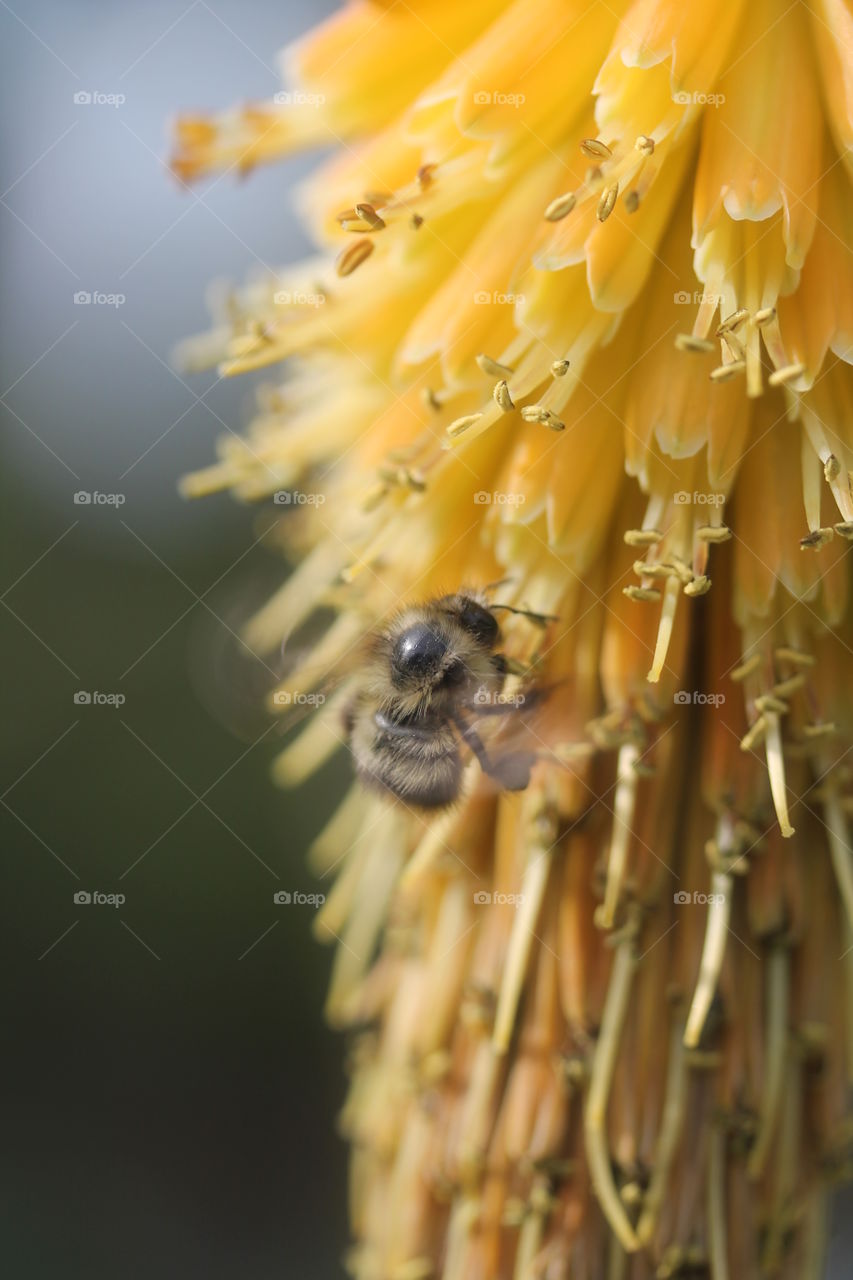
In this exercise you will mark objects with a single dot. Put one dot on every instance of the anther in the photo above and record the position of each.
(561, 207)
(788, 373)
(353, 256)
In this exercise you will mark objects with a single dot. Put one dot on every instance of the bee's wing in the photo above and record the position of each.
(251, 692)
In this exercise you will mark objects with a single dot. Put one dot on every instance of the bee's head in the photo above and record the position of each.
(422, 657)
(444, 649)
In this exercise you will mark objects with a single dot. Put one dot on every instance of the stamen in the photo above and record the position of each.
(353, 256)
(641, 537)
(641, 593)
(764, 316)
(595, 149)
(820, 730)
(601, 1077)
(786, 687)
(533, 890)
(462, 424)
(664, 636)
(671, 1121)
(713, 533)
(623, 815)
(560, 368)
(370, 216)
(689, 342)
(776, 1034)
(840, 849)
(746, 668)
(776, 770)
(831, 468)
(561, 207)
(430, 399)
(817, 538)
(631, 201)
(713, 950)
(788, 373)
(425, 176)
(754, 735)
(799, 659)
(501, 396)
(726, 371)
(644, 145)
(607, 202)
(844, 529)
(732, 322)
(700, 586)
(493, 368)
(767, 702)
(538, 413)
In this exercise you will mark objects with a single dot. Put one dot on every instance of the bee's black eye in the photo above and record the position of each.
(479, 622)
(419, 651)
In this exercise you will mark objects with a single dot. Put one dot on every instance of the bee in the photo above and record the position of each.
(430, 675)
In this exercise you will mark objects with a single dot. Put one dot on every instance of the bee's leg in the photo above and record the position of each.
(512, 770)
(540, 619)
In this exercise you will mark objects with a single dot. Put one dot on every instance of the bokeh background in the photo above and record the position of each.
(171, 1089)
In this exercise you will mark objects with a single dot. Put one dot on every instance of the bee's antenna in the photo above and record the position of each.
(501, 582)
(541, 619)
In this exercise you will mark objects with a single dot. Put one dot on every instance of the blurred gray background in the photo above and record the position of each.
(171, 1088)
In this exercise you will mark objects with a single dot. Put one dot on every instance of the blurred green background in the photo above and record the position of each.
(171, 1088)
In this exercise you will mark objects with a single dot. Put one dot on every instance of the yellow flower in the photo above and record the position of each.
(581, 319)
